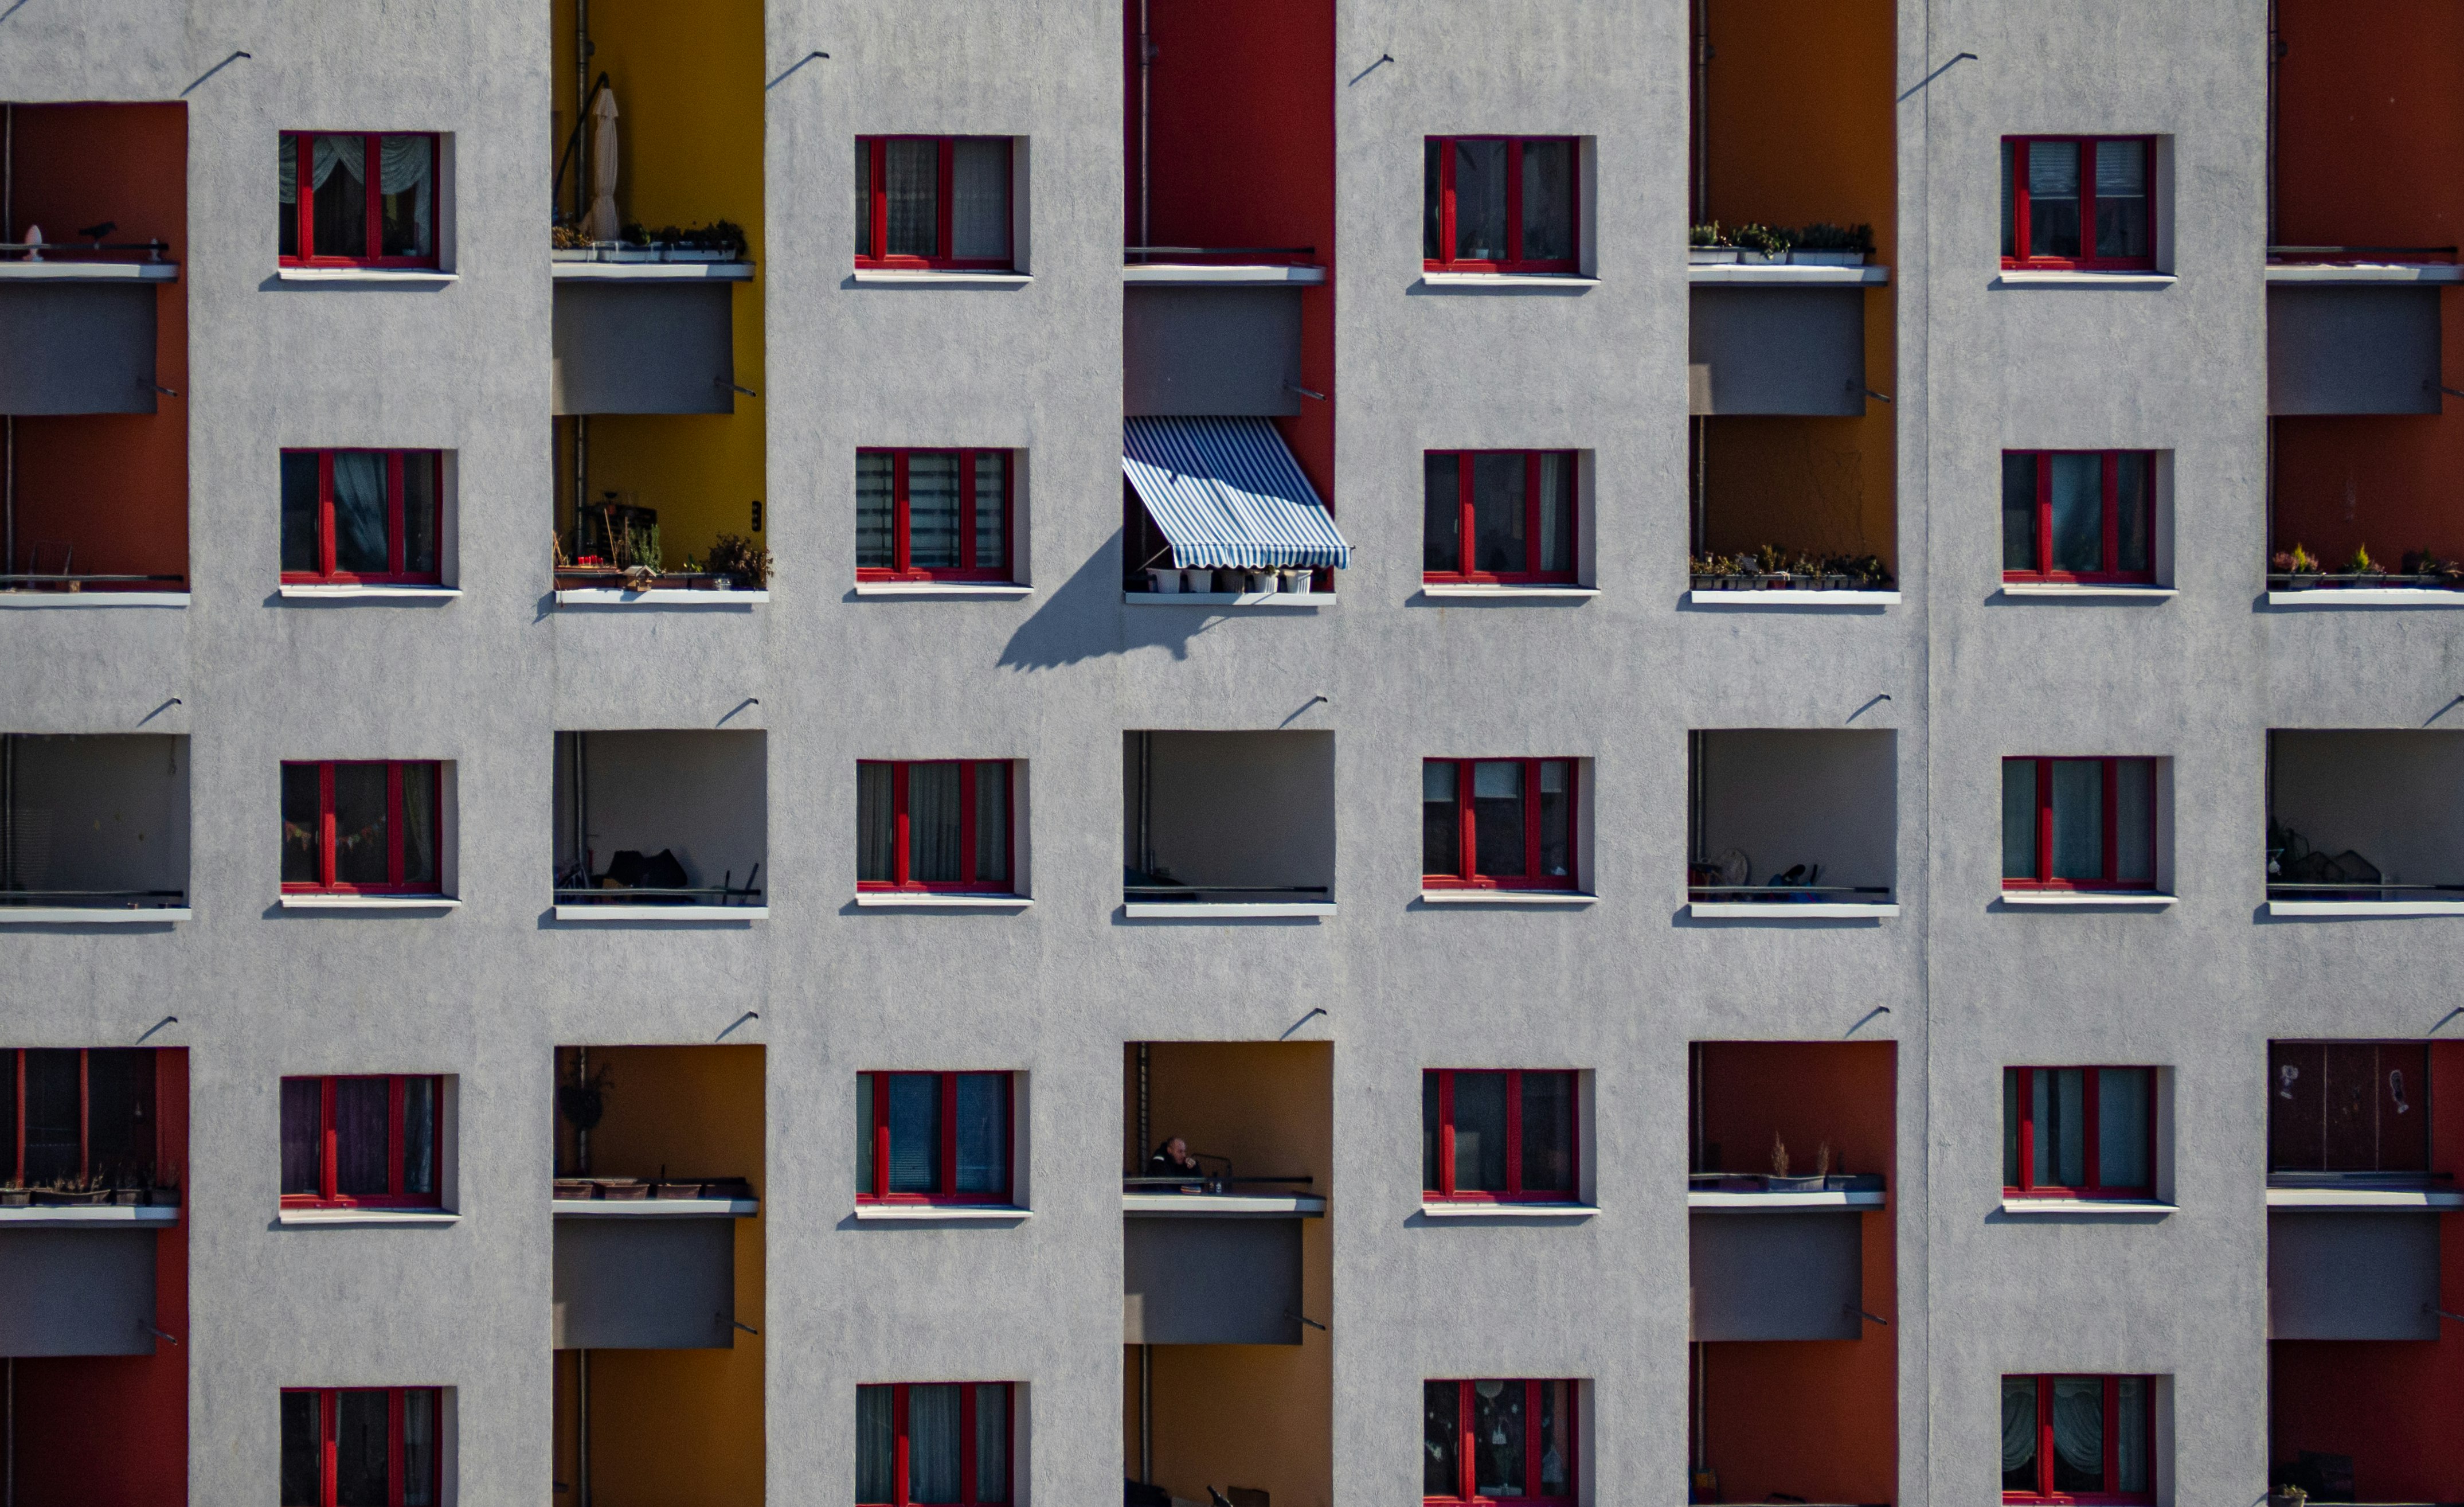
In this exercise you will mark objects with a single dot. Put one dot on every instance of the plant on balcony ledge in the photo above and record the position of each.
(624, 555)
(1773, 568)
(720, 240)
(1820, 244)
(2297, 570)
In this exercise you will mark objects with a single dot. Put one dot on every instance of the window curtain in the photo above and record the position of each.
(303, 1457)
(933, 1443)
(2018, 818)
(327, 153)
(362, 1116)
(419, 1448)
(2121, 1127)
(2079, 1429)
(2078, 819)
(983, 1135)
(910, 183)
(1480, 1132)
(992, 823)
(2130, 1435)
(1555, 1450)
(876, 514)
(361, 1446)
(1497, 511)
(363, 851)
(932, 510)
(1547, 201)
(932, 823)
(992, 551)
(1440, 819)
(418, 1137)
(406, 167)
(1440, 1437)
(361, 546)
(2060, 1105)
(915, 1131)
(1496, 1438)
(980, 198)
(1556, 511)
(1497, 816)
(2019, 1429)
(303, 1116)
(877, 1453)
(875, 823)
(1480, 201)
(2079, 511)
(419, 824)
(2134, 826)
(992, 1442)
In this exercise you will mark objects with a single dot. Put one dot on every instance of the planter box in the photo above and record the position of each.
(623, 1188)
(576, 1188)
(16, 1198)
(700, 254)
(598, 580)
(676, 1191)
(1827, 259)
(1738, 255)
(1711, 256)
(572, 254)
(55, 1199)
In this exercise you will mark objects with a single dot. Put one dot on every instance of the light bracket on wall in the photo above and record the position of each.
(731, 387)
(1871, 1318)
(1294, 386)
(2433, 385)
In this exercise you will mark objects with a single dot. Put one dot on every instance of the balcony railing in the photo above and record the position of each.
(96, 900)
(1223, 894)
(1789, 893)
(723, 894)
(2364, 891)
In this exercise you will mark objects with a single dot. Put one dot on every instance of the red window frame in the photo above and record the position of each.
(1467, 838)
(2109, 544)
(13, 1061)
(901, 855)
(2087, 261)
(304, 200)
(329, 1148)
(898, 1396)
(2020, 1084)
(1465, 537)
(2045, 1493)
(395, 503)
(1515, 260)
(947, 1173)
(1468, 1464)
(397, 770)
(969, 568)
(329, 1415)
(877, 206)
(2112, 779)
(1446, 1192)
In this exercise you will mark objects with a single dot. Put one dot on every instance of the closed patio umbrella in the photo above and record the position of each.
(600, 225)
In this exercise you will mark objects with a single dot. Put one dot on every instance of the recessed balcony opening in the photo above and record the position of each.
(658, 219)
(658, 1273)
(93, 828)
(1228, 826)
(660, 825)
(1229, 1377)
(2364, 823)
(1794, 823)
(93, 427)
(1793, 1284)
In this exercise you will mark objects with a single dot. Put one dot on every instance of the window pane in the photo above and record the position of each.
(1497, 817)
(300, 512)
(933, 1443)
(303, 1465)
(2121, 1139)
(54, 1112)
(863, 235)
(915, 1131)
(362, 1118)
(2060, 1103)
(359, 1449)
(992, 822)
(405, 186)
(983, 1132)
(339, 188)
(2078, 497)
(2019, 819)
(932, 510)
(361, 850)
(1480, 201)
(992, 510)
(2134, 821)
(419, 1447)
(286, 166)
(2019, 1433)
(2122, 198)
(1441, 1439)
(910, 181)
(1556, 1438)
(980, 198)
(361, 545)
(2010, 1127)
(303, 824)
(2053, 199)
(2079, 818)
(1431, 1138)
(932, 823)
(303, 1136)
(419, 1134)
(2134, 515)
(875, 1445)
(1548, 1133)
(1440, 825)
(992, 1442)
(2019, 510)
(876, 833)
(1557, 818)
(1480, 1132)
(1547, 201)
(419, 824)
(1558, 511)
(876, 514)
(419, 505)
(2130, 1441)
(2079, 1434)
(1497, 1440)
(1497, 513)
(1441, 511)
(863, 1132)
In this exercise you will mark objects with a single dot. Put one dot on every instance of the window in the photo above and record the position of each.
(2077, 202)
(1506, 824)
(943, 1442)
(934, 825)
(1498, 204)
(1502, 515)
(1497, 1439)
(939, 1137)
(1497, 1137)
(360, 515)
(2077, 1438)
(76, 1114)
(353, 216)
(2078, 824)
(2348, 1106)
(2079, 515)
(361, 1447)
(360, 1143)
(2080, 1132)
(932, 201)
(932, 515)
(359, 828)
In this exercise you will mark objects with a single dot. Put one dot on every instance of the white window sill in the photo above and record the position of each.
(2118, 593)
(891, 900)
(1201, 910)
(622, 915)
(1196, 275)
(884, 278)
(2365, 1199)
(2016, 278)
(942, 1213)
(349, 1218)
(651, 271)
(1510, 593)
(655, 1207)
(1764, 598)
(302, 591)
(43, 599)
(1473, 1209)
(2366, 908)
(89, 271)
(2368, 596)
(396, 277)
(2090, 1207)
(1784, 1203)
(370, 902)
(1552, 281)
(87, 1215)
(1786, 274)
(613, 596)
(1238, 599)
(954, 589)
(1226, 1206)
(90, 916)
(1472, 897)
(1732, 910)
(2363, 271)
(2102, 899)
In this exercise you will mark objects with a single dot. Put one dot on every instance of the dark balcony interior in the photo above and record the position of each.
(2365, 816)
(97, 425)
(1234, 819)
(1254, 1411)
(660, 818)
(96, 822)
(1792, 816)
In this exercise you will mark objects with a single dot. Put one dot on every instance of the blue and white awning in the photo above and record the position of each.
(1228, 495)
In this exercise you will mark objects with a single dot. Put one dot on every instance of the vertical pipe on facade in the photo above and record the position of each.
(1146, 73)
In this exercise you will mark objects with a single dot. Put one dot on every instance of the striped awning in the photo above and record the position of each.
(1228, 495)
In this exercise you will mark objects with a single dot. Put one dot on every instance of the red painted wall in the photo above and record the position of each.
(113, 1430)
(115, 486)
(2390, 1404)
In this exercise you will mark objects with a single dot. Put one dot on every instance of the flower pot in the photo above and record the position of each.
(624, 1187)
(576, 1188)
(2302, 581)
(629, 253)
(1164, 583)
(1259, 583)
(676, 1191)
(571, 253)
(127, 1197)
(15, 1197)
(57, 1199)
(1300, 583)
(1228, 583)
(1778, 1183)
(1827, 259)
(699, 254)
(1196, 581)
(1711, 256)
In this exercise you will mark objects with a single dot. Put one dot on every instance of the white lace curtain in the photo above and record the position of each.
(405, 164)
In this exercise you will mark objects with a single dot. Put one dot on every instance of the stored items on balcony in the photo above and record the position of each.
(1819, 244)
(1778, 567)
(2297, 570)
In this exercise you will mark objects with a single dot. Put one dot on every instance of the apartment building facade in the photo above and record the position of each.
(701, 1006)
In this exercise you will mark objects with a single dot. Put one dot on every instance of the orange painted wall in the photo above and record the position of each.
(2370, 134)
(113, 1430)
(1807, 1092)
(2391, 1405)
(115, 486)
(1241, 132)
(1800, 130)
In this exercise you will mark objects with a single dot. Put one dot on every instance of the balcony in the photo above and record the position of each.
(1228, 826)
(660, 826)
(1791, 348)
(94, 830)
(1227, 1268)
(94, 502)
(1792, 825)
(2364, 823)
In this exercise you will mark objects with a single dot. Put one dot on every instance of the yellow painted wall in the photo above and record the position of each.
(1245, 1415)
(674, 1427)
(688, 86)
(1800, 130)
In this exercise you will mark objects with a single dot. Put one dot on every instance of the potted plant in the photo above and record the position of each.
(2301, 568)
(741, 561)
(1297, 582)
(1705, 247)
(1780, 1179)
(126, 1189)
(567, 244)
(1163, 582)
(568, 1187)
(1259, 583)
(74, 1192)
(14, 1194)
(623, 1188)
(2362, 567)
(1826, 245)
(667, 1189)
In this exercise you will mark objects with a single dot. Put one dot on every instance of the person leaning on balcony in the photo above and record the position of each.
(1172, 1159)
